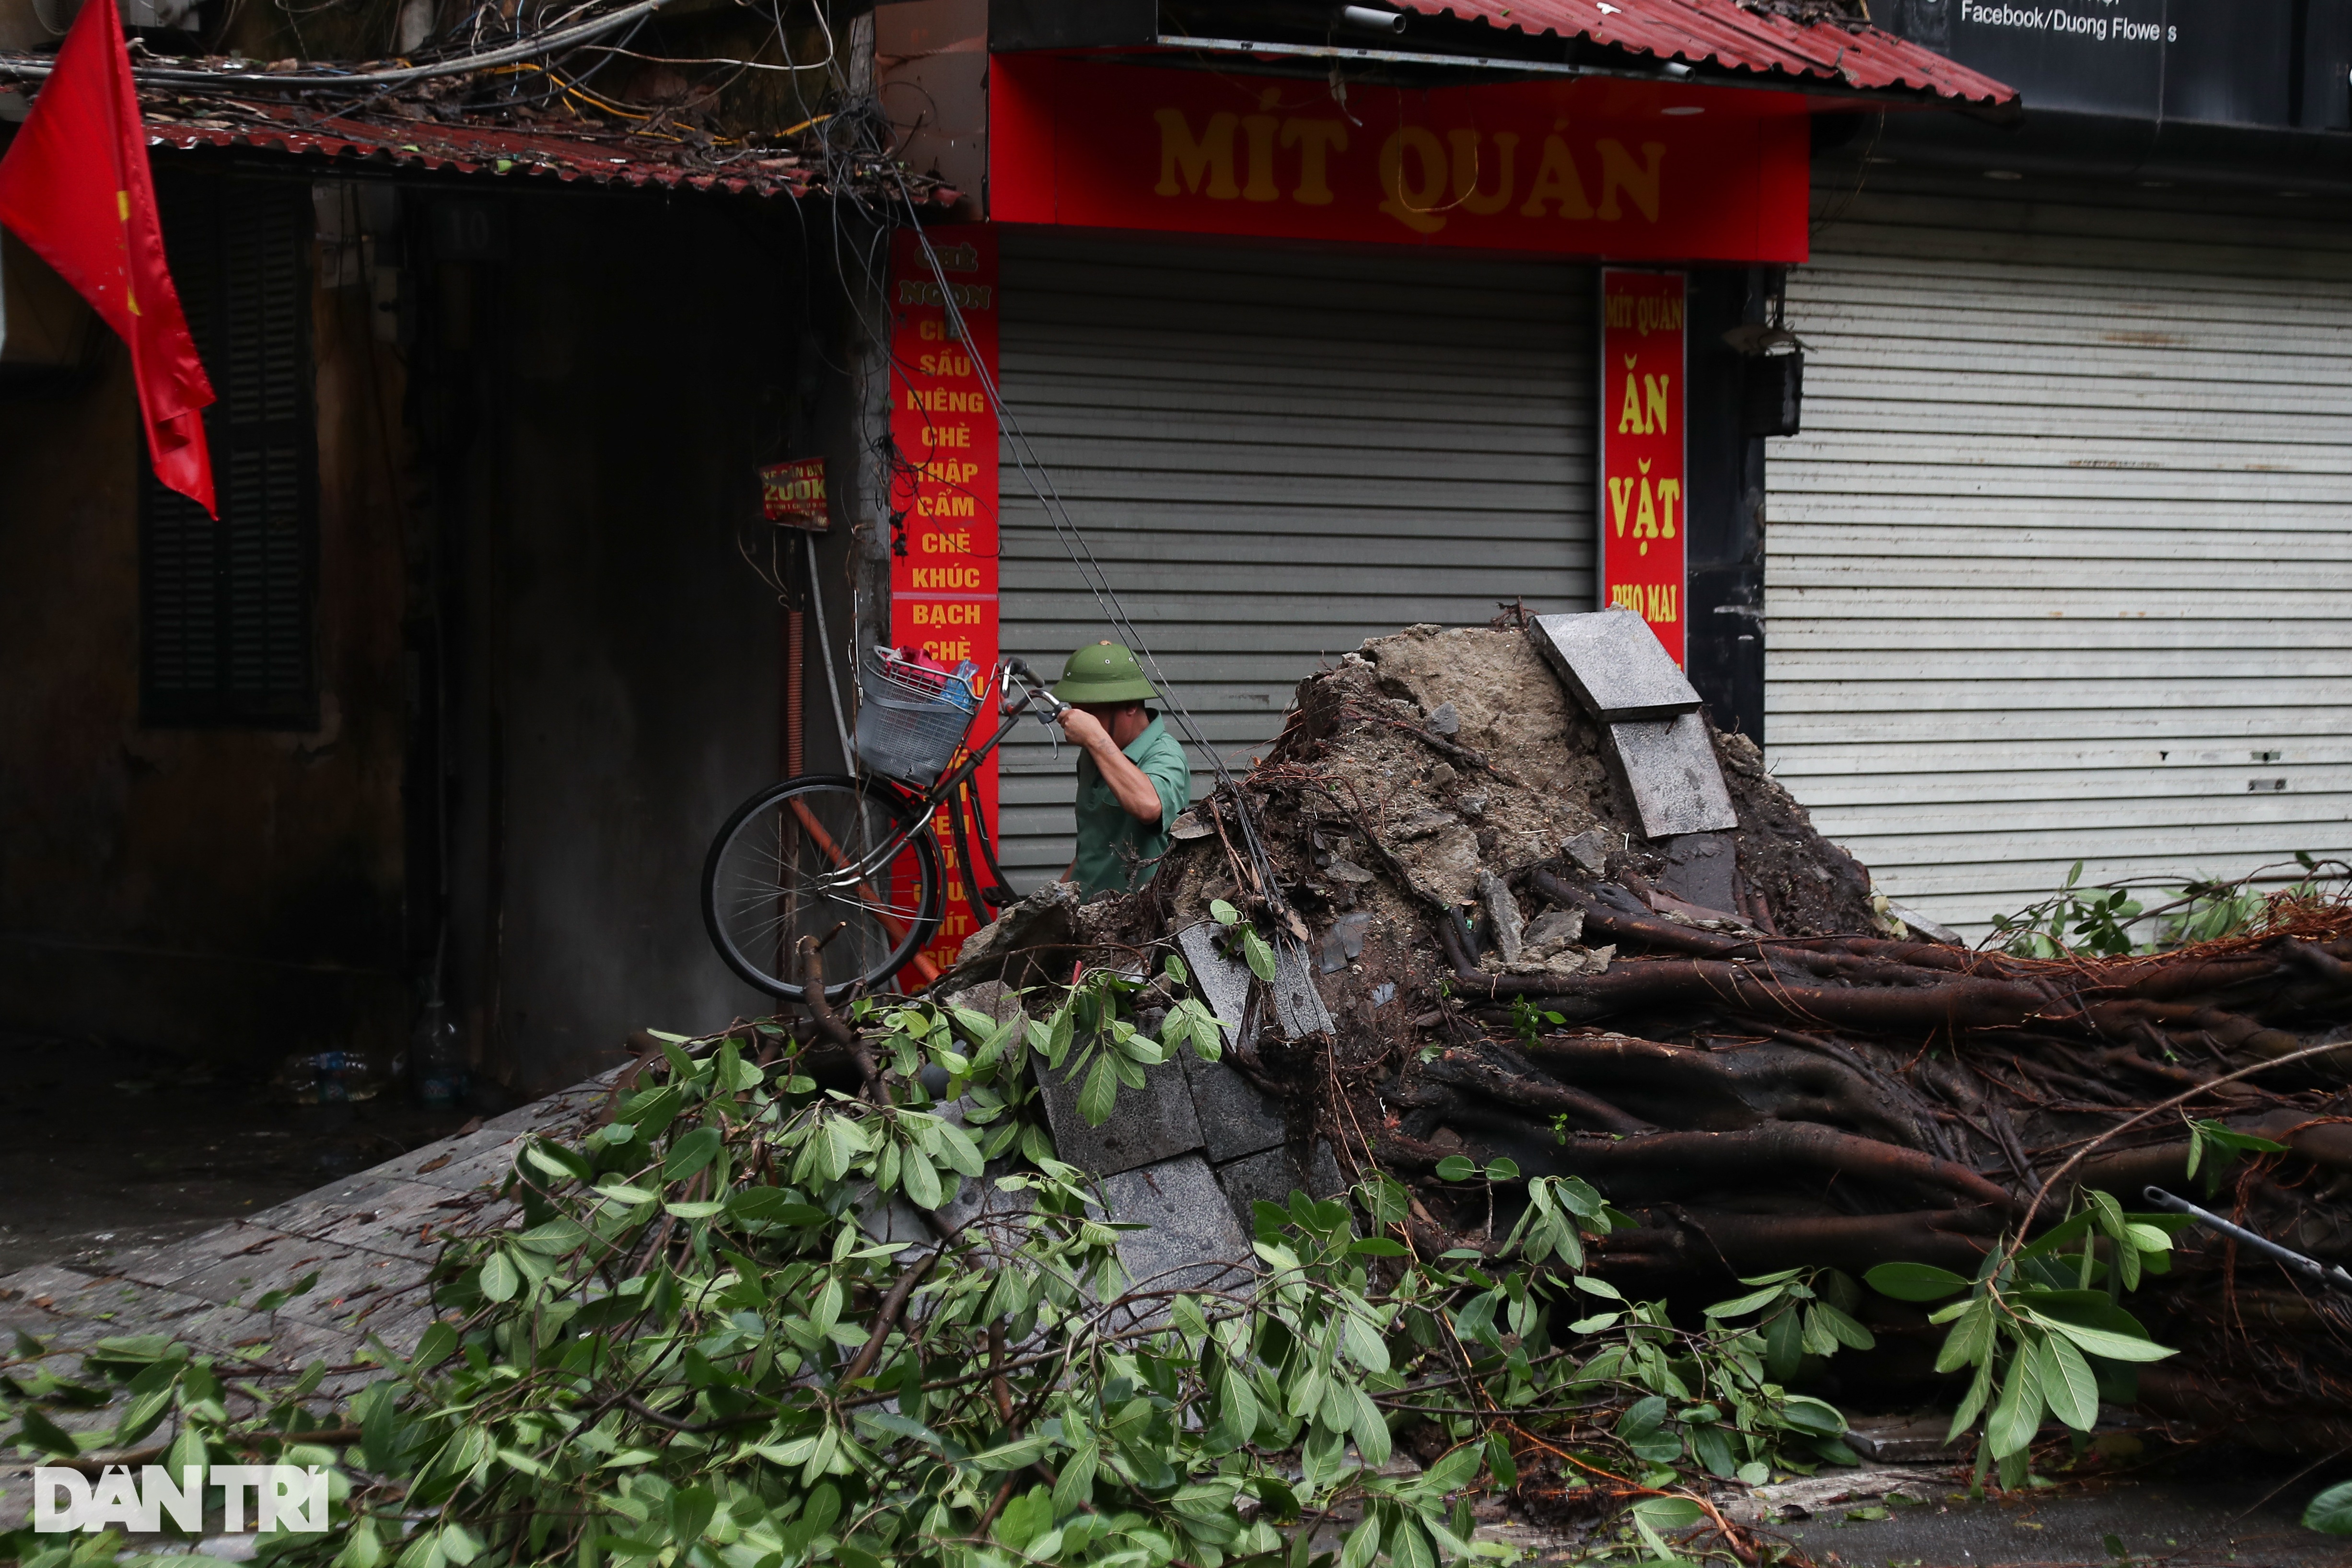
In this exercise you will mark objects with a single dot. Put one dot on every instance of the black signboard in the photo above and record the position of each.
(2237, 62)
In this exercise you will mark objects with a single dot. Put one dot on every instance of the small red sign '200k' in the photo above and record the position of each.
(1643, 507)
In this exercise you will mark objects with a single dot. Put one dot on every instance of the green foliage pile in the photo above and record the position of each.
(2101, 920)
(693, 1349)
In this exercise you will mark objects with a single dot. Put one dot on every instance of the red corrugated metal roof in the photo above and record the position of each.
(1736, 36)
(468, 148)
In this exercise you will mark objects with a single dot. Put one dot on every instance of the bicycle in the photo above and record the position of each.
(851, 860)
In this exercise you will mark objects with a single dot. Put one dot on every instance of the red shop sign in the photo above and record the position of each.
(1644, 509)
(1577, 165)
(942, 497)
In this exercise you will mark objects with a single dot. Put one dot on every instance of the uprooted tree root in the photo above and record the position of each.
(1793, 1085)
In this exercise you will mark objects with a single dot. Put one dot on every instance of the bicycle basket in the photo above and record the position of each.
(909, 721)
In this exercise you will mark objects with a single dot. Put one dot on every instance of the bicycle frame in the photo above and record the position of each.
(926, 805)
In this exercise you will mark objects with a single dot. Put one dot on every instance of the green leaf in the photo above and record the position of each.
(556, 1160)
(1457, 1469)
(1363, 1544)
(1363, 1343)
(1502, 1170)
(1971, 1339)
(1010, 1456)
(1784, 1344)
(2072, 1393)
(2330, 1513)
(1223, 913)
(435, 1345)
(1844, 1330)
(500, 1280)
(1454, 1167)
(1915, 1281)
(1747, 1303)
(1074, 1487)
(922, 1182)
(691, 1154)
(962, 1156)
(2100, 1341)
(1095, 1101)
(1259, 956)
(1972, 1405)
(2018, 1417)
(1817, 1417)
(1369, 1430)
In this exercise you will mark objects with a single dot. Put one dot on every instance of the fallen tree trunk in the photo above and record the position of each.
(1797, 1083)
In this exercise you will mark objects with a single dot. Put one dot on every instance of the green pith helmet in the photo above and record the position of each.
(1105, 673)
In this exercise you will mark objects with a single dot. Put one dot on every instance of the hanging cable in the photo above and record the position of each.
(1090, 569)
(825, 646)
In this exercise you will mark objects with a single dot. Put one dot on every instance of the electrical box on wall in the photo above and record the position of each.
(1771, 393)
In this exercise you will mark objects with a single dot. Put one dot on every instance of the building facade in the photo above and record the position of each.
(2060, 568)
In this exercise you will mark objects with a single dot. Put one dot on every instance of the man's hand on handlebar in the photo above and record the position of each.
(1083, 728)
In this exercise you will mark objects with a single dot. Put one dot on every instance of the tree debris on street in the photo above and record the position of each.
(1727, 1036)
(1631, 1163)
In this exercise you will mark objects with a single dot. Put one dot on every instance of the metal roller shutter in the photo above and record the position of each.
(1275, 454)
(2062, 567)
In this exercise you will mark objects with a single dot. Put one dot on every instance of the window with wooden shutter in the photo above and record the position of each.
(225, 606)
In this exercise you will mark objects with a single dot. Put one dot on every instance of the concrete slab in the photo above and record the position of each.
(1150, 1124)
(1614, 665)
(1193, 1242)
(1273, 1175)
(1236, 1117)
(1224, 983)
(1677, 785)
(1297, 1005)
(1704, 869)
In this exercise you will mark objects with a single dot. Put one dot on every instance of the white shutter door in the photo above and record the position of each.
(2061, 568)
(1275, 455)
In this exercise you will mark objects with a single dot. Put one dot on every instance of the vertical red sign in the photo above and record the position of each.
(1642, 507)
(943, 554)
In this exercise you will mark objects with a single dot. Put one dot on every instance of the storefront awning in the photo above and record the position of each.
(1733, 35)
(566, 153)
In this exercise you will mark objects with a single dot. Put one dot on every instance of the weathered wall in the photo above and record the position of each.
(619, 656)
(534, 626)
(234, 892)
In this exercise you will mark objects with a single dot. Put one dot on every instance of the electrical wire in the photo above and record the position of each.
(543, 44)
(1090, 569)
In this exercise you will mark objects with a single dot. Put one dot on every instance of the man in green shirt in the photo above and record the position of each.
(1132, 776)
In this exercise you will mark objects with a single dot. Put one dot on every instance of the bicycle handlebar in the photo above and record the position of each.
(1033, 691)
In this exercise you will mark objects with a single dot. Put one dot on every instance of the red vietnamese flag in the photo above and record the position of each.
(74, 187)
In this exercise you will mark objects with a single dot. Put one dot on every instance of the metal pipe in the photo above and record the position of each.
(795, 683)
(2311, 1268)
(824, 650)
(1373, 21)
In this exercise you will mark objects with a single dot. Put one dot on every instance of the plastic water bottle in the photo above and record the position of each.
(436, 1061)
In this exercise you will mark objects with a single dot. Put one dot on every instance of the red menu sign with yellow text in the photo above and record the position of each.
(1643, 526)
(943, 428)
(1655, 169)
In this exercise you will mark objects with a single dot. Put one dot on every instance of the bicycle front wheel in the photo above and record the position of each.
(843, 859)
